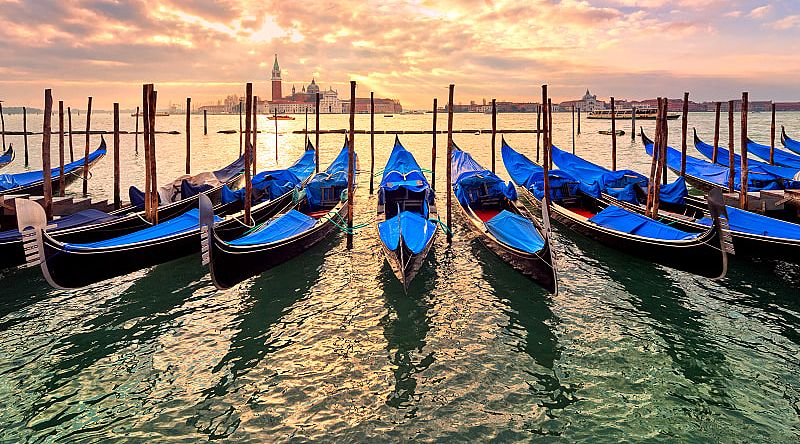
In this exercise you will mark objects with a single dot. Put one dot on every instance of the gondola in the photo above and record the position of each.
(780, 157)
(72, 265)
(93, 225)
(789, 143)
(706, 176)
(7, 156)
(32, 182)
(703, 254)
(754, 166)
(754, 235)
(318, 214)
(491, 210)
(406, 212)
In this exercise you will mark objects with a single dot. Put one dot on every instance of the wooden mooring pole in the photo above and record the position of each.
(146, 142)
(731, 159)
(135, 136)
(351, 165)
(579, 120)
(254, 146)
(2, 127)
(47, 186)
(547, 143)
(494, 131)
(276, 136)
(241, 134)
(248, 183)
(86, 149)
(633, 124)
(316, 132)
(743, 195)
(715, 154)
(772, 136)
(613, 137)
(538, 130)
(433, 148)
(117, 198)
(25, 133)
(61, 178)
(449, 161)
(573, 129)
(371, 142)
(549, 129)
(69, 128)
(153, 156)
(684, 131)
(205, 122)
(654, 171)
(188, 135)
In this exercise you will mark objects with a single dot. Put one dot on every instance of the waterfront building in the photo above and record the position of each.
(588, 102)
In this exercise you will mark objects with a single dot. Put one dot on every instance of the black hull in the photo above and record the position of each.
(413, 262)
(231, 265)
(71, 269)
(37, 188)
(537, 267)
(701, 256)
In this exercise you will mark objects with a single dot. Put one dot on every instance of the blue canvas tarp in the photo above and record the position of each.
(234, 169)
(718, 174)
(529, 175)
(283, 227)
(335, 177)
(10, 181)
(268, 185)
(516, 231)
(746, 222)
(754, 167)
(84, 217)
(621, 184)
(471, 181)
(416, 231)
(402, 171)
(186, 222)
(619, 219)
(780, 157)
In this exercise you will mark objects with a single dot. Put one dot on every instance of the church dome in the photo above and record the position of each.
(313, 88)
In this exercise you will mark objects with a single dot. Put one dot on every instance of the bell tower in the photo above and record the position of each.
(277, 93)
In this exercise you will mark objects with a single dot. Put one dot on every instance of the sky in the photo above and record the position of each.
(410, 50)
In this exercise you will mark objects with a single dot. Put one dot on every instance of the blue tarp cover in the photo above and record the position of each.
(282, 227)
(9, 181)
(781, 157)
(188, 221)
(416, 230)
(515, 231)
(84, 217)
(136, 197)
(718, 174)
(7, 156)
(754, 167)
(791, 144)
(746, 222)
(471, 180)
(333, 177)
(227, 173)
(529, 175)
(269, 185)
(623, 220)
(621, 184)
(403, 171)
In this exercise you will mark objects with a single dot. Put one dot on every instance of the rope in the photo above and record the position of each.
(441, 224)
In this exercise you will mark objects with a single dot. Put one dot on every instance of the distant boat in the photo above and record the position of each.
(280, 117)
(388, 115)
(643, 113)
(158, 114)
(608, 132)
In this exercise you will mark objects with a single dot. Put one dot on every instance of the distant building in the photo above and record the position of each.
(588, 102)
(277, 92)
(382, 106)
(301, 101)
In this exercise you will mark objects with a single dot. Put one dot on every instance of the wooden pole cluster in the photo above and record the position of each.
(684, 130)
(205, 122)
(47, 186)
(69, 123)
(633, 124)
(449, 167)
(316, 135)
(248, 153)
(61, 185)
(86, 149)
(494, 131)
(241, 134)
(772, 136)
(613, 136)
(351, 165)
(25, 134)
(538, 129)
(254, 146)
(188, 135)
(371, 142)
(433, 149)
(743, 195)
(149, 106)
(117, 198)
(715, 154)
(658, 160)
(546, 118)
(135, 138)
(731, 167)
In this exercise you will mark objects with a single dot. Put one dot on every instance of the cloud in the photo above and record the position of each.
(760, 12)
(788, 22)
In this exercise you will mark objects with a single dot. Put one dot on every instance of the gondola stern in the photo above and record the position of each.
(32, 223)
(548, 238)
(716, 206)
(206, 229)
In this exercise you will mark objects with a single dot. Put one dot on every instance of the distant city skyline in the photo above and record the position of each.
(406, 50)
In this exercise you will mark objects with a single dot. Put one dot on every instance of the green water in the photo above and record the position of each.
(327, 347)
